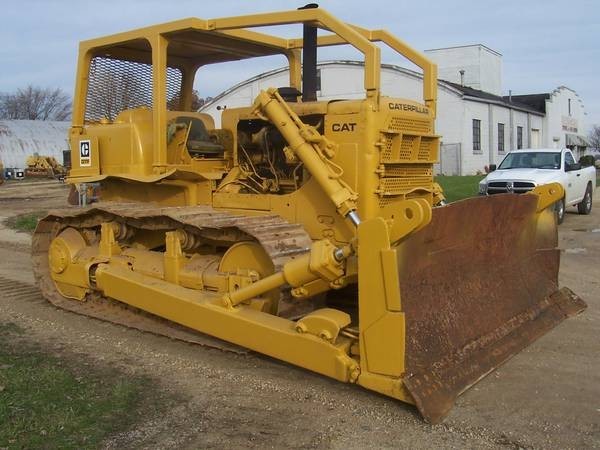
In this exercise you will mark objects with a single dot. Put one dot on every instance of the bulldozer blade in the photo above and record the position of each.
(478, 284)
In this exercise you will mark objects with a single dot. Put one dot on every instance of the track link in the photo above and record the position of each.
(280, 239)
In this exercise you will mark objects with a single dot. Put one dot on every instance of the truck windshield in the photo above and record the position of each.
(531, 160)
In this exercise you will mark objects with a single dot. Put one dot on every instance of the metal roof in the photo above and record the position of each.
(470, 93)
(464, 46)
(535, 101)
(320, 64)
(465, 92)
(22, 138)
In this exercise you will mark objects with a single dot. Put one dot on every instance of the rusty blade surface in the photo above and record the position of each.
(478, 284)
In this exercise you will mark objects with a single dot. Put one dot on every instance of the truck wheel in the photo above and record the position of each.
(585, 207)
(560, 211)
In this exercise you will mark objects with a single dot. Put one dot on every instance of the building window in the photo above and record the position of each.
(318, 79)
(476, 135)
(569, 107)
(519, 137)
(500, 138)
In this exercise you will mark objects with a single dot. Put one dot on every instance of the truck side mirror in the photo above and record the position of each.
(492, 167)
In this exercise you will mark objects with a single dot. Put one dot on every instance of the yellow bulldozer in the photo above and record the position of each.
(43, 166)
(310, 231)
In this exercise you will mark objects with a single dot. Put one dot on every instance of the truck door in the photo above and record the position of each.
(574, 189)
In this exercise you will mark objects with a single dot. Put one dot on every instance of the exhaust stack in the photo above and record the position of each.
(309, 59)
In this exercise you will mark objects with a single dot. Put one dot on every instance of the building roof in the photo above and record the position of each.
(464, 46)
(22, 138)
(488, 97)
(467, 92)
(320, 64)
(535, 101)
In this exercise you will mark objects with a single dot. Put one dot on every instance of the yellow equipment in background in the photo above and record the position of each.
(43, 166)
(306, 230)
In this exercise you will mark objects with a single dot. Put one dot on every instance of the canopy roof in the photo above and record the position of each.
(189, 42)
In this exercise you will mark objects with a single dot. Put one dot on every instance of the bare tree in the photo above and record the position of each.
(594, 136)
(173, 104)
(110, 93)
(199, 102)
(35, 103)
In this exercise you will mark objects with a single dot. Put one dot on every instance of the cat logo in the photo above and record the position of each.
(343, 126)
(85, 153)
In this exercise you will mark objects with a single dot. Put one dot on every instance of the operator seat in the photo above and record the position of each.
(199, 142)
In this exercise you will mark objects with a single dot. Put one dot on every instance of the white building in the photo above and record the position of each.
(476, 66)
(564, 118)
(478, 126)
(20, 139)
(480, 68)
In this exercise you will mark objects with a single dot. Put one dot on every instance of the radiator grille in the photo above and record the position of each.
(406, 170)
(406, 147)
(398, 147)
(404, 124)
(425, 150)
(408, 151)
(395, 186)
(389, 199)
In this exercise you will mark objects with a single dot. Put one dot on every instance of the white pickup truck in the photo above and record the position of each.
(522, 170)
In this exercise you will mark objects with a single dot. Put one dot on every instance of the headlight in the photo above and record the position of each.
(483, 188)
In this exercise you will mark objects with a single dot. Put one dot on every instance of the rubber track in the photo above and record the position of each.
(280, 239)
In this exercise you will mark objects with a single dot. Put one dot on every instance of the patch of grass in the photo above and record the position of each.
(456, 187)
(48, 401)
(25, 222)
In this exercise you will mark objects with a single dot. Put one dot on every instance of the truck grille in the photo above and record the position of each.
(518, 187)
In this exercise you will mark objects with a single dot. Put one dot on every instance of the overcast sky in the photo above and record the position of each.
(544, 44)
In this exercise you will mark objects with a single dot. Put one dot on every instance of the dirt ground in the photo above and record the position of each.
(548, 396)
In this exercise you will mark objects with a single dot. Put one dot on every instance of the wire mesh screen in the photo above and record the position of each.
(116, 85)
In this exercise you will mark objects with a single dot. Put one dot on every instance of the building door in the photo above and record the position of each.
(535, 138)
(450, 159)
